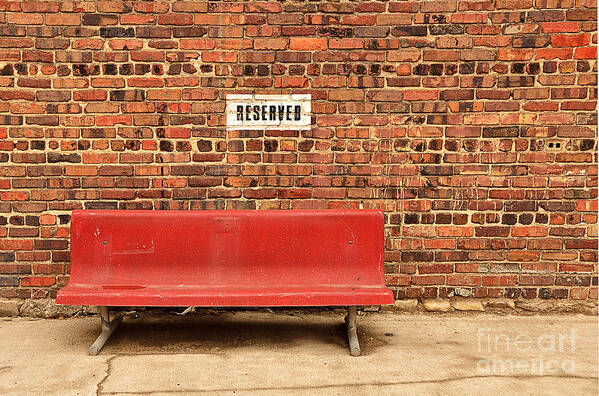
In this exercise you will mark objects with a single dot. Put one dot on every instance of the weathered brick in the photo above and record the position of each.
(134, 95)
(471, 124)
(109, 32)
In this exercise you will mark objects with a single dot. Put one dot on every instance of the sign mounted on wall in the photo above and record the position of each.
(269, 111)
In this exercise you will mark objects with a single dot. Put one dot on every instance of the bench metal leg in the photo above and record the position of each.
(352, 335)
(108, 327)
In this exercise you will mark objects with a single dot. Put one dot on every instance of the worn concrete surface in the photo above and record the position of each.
(297, 352)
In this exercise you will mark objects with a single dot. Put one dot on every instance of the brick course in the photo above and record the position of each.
(472, 124)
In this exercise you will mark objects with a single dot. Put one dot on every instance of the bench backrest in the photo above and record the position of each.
(220, 248)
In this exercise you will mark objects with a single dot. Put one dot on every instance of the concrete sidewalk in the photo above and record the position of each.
(296, 352)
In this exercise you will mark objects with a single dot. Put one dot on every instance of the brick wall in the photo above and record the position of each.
(472, 124)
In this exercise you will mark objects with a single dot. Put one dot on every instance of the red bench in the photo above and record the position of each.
(226, 259)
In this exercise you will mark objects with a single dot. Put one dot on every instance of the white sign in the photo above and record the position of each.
(269, 111)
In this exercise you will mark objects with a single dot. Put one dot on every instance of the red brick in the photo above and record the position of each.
(125, 44)
(271, 44)
(63, 19)
(423, 110)
(464, 280)
(211, 19)
(585, 53)
(217, 56)
(197, 43)
(508, 54)
(404, 55)
(175, 19)
(418, 94)
(89, 95)
(25, 18)
(345, 43)
(553, 53)
(308, 44)
(111, 120)
(291, 82)
(37, 281)
(560, 27)
(570, 40)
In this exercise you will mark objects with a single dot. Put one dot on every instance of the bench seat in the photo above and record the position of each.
(225, 296)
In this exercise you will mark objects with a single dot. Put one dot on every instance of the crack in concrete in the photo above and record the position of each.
(439, 381)
(100, 384)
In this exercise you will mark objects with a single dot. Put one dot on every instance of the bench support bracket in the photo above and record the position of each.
(352, 335)
(108, 327)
